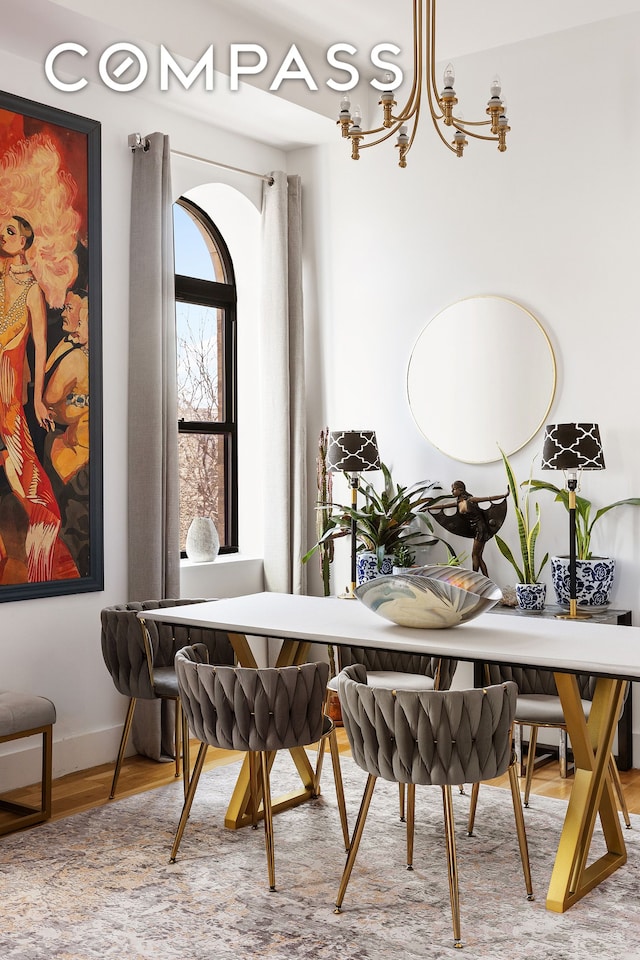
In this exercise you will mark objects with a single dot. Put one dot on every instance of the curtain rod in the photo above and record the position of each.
(136, 140)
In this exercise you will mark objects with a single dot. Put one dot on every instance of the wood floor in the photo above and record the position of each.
(90, 788)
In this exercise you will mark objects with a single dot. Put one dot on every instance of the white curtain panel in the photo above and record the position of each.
(153, 502)
(282, 387)
(153, 512)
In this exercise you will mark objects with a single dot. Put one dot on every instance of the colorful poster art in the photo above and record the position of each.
(51, 538)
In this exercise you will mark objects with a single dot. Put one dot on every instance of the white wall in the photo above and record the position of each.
(552, 224)
(52, 646)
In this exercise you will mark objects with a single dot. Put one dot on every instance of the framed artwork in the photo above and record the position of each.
(51, 525)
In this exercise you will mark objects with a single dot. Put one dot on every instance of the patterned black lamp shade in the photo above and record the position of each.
(572, 446)
(354, 451)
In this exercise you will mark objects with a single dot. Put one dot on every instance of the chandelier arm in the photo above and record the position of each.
(430, 73)
(436, 127)
(431, 42)
(369, 133)
(373, 143)
(417, 59)
(463, 124)
(477, 136)
(412, 103)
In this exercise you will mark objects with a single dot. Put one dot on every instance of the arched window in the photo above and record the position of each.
(206, 354)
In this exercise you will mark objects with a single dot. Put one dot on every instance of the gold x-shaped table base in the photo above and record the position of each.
(239, 811)
(592, 793)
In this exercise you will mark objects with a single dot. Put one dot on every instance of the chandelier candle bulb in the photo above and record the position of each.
(449, 78)
(345, 116)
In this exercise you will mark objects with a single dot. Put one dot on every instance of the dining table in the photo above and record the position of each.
(563, 646)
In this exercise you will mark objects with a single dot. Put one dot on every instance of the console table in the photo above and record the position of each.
(624, 757)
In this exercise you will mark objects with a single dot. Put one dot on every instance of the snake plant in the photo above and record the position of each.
(528, 531)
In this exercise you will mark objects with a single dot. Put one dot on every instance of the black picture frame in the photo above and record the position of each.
(73, 473)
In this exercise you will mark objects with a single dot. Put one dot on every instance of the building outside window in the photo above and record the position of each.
(206, 299)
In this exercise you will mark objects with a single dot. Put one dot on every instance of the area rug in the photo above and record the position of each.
(99, 885)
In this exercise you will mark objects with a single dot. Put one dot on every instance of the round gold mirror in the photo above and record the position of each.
(482, 375)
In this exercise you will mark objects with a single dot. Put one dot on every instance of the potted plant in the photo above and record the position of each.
(594, 575)
(385, 520)
(529, 591)
(403, 557)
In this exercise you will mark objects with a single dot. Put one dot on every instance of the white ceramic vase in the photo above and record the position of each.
(203, 542)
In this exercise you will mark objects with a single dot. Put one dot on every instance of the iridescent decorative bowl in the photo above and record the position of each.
(430, 597)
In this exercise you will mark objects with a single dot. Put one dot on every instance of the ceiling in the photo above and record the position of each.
(296, 116)
(464, 26)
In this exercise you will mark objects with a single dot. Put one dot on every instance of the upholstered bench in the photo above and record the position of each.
(26, 715)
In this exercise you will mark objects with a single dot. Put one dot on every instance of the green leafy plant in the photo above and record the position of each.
(528, 531)
(403, 556)
(383, 518)
(584, 521)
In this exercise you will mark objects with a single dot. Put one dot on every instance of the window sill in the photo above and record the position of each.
(229, 575)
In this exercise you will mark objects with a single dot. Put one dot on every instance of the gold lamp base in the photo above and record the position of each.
(349, 593)
(573, 613)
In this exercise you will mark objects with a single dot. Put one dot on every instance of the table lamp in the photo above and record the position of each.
(572, 447)
(354, 452)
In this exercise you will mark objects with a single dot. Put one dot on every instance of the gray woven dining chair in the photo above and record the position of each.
(139, 656)
(442, 737)
(539, 706)
(256, 710)
(395, 670)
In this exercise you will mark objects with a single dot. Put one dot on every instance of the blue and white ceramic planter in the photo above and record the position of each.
(367, 566)
(531, 596)
(594, 580)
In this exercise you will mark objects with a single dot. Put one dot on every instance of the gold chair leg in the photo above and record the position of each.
(411, 821)
(452, 862)
(177, 733)
(321, 746)
(355, 840)
(562, 752)
(268, 819)
(531, 758)
(254, 796)
(401, 788)
(473, 806)
(337, 776)
(184, 737)
(188, 800)
(319, 764)
(520, 828)
(617, 784)
(517, 745)
(123, 743)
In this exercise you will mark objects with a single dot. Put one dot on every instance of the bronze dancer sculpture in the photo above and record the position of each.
(471, 519)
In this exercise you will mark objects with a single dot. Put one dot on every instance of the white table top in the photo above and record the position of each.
(560, 645)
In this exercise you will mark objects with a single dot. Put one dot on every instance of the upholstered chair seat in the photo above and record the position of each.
(259, 711)
(393, 670)
(539, 706)
(435, 737)
(139, 655)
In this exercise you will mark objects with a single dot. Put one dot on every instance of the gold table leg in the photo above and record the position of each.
(592, 793)
(240, 810)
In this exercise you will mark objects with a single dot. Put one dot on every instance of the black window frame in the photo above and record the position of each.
(221, 296)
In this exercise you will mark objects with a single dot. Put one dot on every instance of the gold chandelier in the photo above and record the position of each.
(441, 106)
